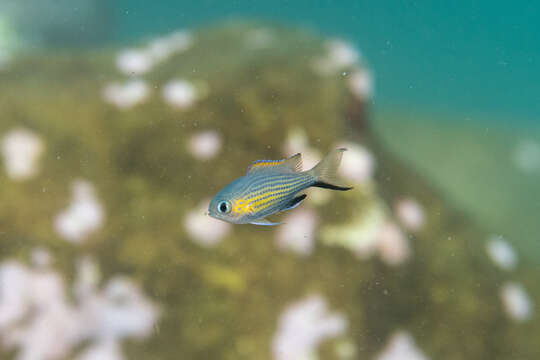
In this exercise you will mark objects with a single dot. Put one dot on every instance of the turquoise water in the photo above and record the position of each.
(475, 59)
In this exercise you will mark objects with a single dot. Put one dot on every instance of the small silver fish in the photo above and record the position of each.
(272, 186)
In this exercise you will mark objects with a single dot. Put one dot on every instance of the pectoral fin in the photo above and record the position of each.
(295, 202)
(264, 222)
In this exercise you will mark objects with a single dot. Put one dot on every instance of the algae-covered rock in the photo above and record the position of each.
(132, 144)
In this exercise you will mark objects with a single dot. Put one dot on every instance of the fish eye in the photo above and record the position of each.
(224, 207)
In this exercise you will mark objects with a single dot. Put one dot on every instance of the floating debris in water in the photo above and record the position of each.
(340, 55)
(516, 301)
(410, 213)
(126, 95)
(297, 234)
(180, 94)
(21, 149)
(303, 326)
(358, 165)
(84, 215)
(203, 229)
(401, 346)
(205, 145)
(501, 252)
(527, 156)
(361, 84)
(38, 319)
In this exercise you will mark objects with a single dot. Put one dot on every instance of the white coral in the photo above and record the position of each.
(84, 215)
(501, 253)
(205, 145)
(21, 149)
(393, 245)
(516, 301)
(126, 95)
(339, 55)
(134, 62)
(180, 93)
(303, 326)
(39, 320)
(297, 234)
(410, 213)
(401, 346)
(361, 84)
(358, 163)
(203, 229)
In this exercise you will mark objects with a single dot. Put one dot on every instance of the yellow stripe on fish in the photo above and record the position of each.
(265, 163)
(242, 207)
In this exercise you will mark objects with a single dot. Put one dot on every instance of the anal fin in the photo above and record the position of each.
(295, 202)
(264, 222)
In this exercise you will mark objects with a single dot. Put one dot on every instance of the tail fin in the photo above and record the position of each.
(325, 172)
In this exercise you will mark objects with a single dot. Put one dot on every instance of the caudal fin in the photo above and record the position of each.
(325, 172)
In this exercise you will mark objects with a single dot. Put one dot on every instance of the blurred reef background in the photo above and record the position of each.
(110, 155)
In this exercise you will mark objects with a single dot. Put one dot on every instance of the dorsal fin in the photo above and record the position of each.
(292, 164)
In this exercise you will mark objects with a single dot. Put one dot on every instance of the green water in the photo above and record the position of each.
(473, 163)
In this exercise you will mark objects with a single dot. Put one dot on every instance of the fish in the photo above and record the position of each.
(274, 186)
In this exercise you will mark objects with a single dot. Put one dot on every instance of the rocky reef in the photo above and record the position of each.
(109, 159)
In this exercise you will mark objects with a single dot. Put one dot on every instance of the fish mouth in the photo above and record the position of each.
(212, 215)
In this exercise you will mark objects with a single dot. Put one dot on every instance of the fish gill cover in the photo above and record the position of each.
(109, 159)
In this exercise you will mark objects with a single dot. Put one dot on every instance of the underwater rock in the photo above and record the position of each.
(392, 255)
